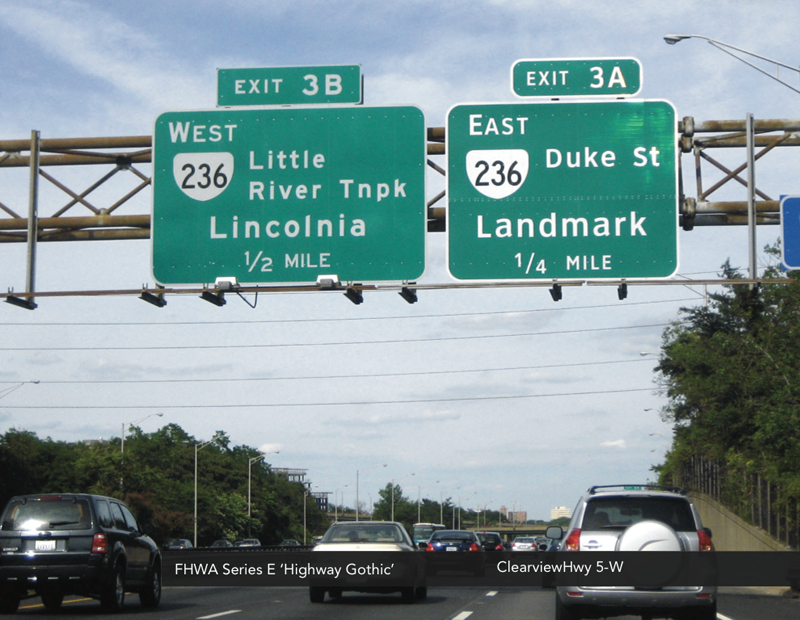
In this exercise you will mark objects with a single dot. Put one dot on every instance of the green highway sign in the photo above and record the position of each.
(562, 191)
(288, 195)
(289, 85)
(580, 77)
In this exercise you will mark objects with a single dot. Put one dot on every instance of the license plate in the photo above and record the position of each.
(45, 545)
(452, 549)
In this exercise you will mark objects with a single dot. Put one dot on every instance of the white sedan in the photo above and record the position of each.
(380, 536)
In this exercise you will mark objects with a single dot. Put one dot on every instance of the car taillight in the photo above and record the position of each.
(474, 547)
(100, 544)
(430, 547)
(705, 541)
(573, 541)
(499, 547)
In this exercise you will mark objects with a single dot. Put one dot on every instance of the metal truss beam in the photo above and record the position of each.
(123, 153)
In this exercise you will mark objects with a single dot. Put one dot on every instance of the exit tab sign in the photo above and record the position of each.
(581, 77)
(289, 85)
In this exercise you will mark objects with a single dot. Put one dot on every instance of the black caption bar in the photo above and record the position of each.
(332, 569)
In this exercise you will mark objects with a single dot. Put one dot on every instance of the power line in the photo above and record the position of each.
(335, 404)
(339, 343)
(337, 377)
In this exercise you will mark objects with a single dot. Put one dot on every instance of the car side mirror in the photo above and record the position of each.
(554, 532)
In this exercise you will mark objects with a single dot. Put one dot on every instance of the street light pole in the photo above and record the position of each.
(335, 505)
(250, 462)
(398, 480)
(419, 500)
(197, 447)
(129, 424)
(357, 481)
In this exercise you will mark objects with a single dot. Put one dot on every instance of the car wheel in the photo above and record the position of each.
(9, 600)
(113, 598)
(150, 594)
(335, 594)
(52, 599)
(408, 594)
(565, 613)
(316, 595)
(702, 613)
(421, 593)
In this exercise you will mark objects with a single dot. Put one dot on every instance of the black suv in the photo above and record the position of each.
(63, 544)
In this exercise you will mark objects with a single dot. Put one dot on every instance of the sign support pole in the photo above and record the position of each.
(751, 196)
(26, 300)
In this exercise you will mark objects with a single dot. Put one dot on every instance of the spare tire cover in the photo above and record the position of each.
(649, 536)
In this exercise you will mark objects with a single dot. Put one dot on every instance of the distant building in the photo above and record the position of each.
(559, 512)
(520, 516)
(292, 475)
(321, 497)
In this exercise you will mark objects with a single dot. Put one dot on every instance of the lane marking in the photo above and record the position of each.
(721, 617)
(222, 613)
(463, 615)
(492, 593)
(72, 600)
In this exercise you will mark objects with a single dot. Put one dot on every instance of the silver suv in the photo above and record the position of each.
(635, 518)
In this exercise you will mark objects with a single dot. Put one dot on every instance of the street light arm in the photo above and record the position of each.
(672, 39)
(7, 391)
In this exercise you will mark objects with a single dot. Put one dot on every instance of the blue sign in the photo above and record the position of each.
(790, 231)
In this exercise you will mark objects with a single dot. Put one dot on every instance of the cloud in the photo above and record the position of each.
(618, 443)
(270, 448)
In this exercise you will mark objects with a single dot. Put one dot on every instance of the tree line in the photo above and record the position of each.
(155, 477)
(731, 372)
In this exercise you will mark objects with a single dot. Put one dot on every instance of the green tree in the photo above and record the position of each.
(731, 372)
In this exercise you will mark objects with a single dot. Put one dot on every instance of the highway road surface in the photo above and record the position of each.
(461, 603)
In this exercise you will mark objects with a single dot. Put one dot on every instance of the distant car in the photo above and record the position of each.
(248, 542)
(382, 536)
(491, 541)
(635, 518)
(289, 542)
(179, 543)
(524, 543)
(63, 544)
(222, 543)
(456, 540)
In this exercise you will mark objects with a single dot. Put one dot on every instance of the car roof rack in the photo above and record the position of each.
(637, 487)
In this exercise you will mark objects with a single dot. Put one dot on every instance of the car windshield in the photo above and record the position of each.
(48, 514)
(364, 533)
(620, 512)
(524, 540)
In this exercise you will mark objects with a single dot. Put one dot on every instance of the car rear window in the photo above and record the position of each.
(620, 512)
(441, 535)
(364, 533)
(47, 514)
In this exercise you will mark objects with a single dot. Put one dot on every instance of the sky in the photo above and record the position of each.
(491, 396)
